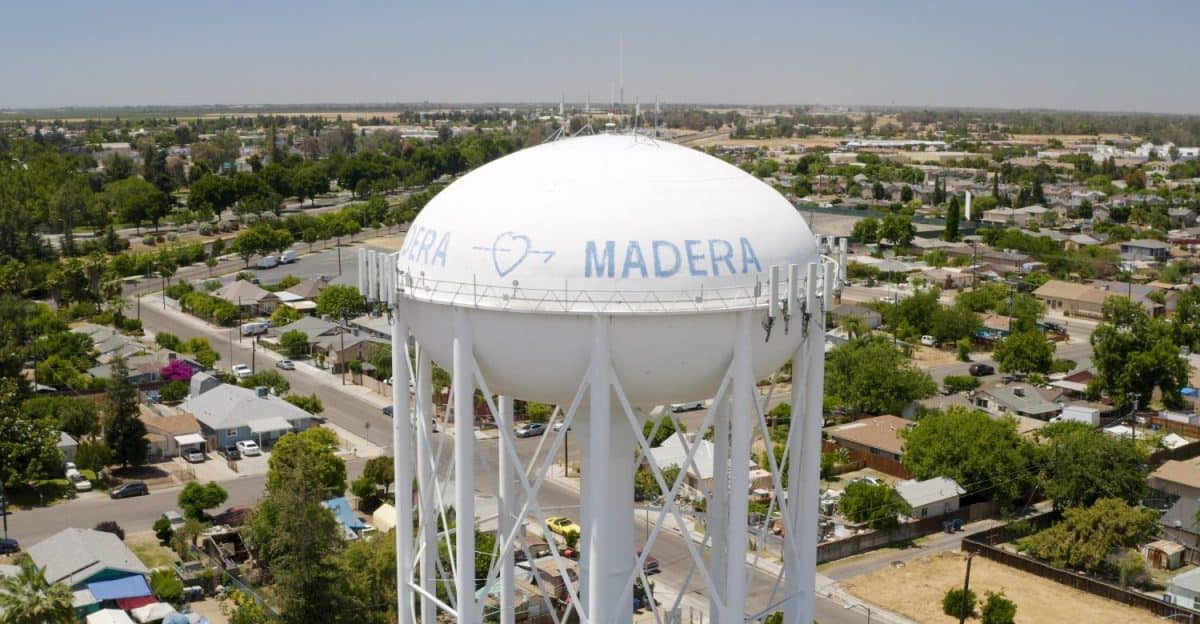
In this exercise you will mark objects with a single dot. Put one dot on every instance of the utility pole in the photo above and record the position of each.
(4, 508)
(1133, 417)
(962, 613)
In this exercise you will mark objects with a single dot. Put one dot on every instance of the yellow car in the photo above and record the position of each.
(562, 526)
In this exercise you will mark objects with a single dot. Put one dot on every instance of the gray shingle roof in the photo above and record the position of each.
(921, 493)
(229, 407)
(74, 555)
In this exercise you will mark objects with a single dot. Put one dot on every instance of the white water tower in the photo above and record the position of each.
(607, 275)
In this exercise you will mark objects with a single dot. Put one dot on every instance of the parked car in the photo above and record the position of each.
(981, 370)
(126, 490)
(687, 407)
(9, 546)
(232, 516)
(174, 518)
(241, 371)
(248, 448)
(285, 365)
(194, 456)
(230, 452)
(928, 341)
(267, 262)
(530, 430)
(289, 256)
(77, 480)
(650, 565)
(387, 410)
(558, 425)
(562, 526)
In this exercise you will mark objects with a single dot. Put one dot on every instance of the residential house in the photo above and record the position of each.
(870, 317)
(170, 430)
(1177, 478)
(311, 326)
(109, 343)
(229, 414)
(1079, 241)
(145, 368)
(1181, 216)
(1179, 525)
(375, 325)
(1017, 399)
(250, 298)
(878, 436)
(932, 497)
(948, 279)
(1013, 216)
(1001, 261)
(339, 350)
(1146, 249)
(1071, 299)
(1184, 590)
(699, 473)
(77, 557)
(306, 293)
(68, 446)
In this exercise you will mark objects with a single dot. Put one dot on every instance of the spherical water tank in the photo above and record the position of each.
(666, 241)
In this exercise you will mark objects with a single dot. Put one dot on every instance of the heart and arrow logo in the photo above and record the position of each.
(510, 250)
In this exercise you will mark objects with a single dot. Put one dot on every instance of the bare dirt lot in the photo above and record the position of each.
(916, 591)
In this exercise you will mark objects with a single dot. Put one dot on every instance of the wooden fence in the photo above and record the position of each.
(982, 544)
(839, 549)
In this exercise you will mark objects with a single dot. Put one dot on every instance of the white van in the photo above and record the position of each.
(288, 257)
(254, 329)
(268, 262)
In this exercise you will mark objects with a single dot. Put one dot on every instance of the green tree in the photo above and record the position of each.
(985, 455)
(295, 343)
(27, 598)
(310, 403)
(124, 432)
(953, 215)
(136, 200)
(958, 602)
(538, 412)
(866, 230)
(295, 536)
(211, 193)
(75, 416)
(173, 391)
(93, 455)
(870, 375)
(1025, 352)
(195, 499)
(380, 471)
(1086, 536)
(269, 378)
(898, 229)
(366, 574)
(1134, 354)
(998, 609)
(666, 429)
(166, 586)
(877, 506)
(1083, 464)
(284, 315)
(28, 448)
(340, 302)
(312, 452)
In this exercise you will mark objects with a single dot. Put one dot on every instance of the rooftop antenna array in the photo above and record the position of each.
(587, 118)
(563, 131)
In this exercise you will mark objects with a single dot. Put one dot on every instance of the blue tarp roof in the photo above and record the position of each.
(128, 587)
(341, 508)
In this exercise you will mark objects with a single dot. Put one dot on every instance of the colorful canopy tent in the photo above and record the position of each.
(153, 612)
(109, 616)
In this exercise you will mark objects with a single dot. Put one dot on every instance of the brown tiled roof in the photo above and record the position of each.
(881, 432)
(1186, 473)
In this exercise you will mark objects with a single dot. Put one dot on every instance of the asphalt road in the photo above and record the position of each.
(133, 514)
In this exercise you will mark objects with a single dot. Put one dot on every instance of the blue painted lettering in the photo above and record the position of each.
(725, 255)
(634, 260)
(661, 269)
(410, 242)
(748, 257)
(426, 242)
(694, 258)
(439, 256)
(596, 264)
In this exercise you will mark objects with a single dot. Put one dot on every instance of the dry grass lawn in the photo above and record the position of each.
(146, 547)
(916, 591)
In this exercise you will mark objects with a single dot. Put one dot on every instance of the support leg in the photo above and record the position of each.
(464, 469)
(739, 474)
(425, 484)
(508, 506)
(402, 452)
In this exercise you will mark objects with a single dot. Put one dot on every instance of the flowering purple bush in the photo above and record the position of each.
(177, 370)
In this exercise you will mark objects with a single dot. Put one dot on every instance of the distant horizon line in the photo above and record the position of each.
(596, 107)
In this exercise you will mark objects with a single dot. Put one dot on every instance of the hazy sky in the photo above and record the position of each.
(1131, 55)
